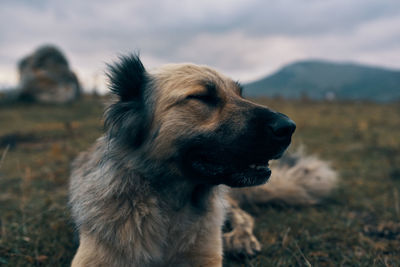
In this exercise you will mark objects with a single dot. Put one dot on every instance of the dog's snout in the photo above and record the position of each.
(277, 126)
(282, 126)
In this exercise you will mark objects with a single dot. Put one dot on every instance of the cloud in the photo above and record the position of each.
(244, 38)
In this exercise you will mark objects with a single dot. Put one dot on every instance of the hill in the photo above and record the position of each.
(321, 79)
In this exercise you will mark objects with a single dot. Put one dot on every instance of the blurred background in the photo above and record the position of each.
(333, 66)
(247, 40)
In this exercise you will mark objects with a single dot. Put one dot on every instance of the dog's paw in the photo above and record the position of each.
(241, 243)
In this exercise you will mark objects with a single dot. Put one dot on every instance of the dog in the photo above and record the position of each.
(151, 191)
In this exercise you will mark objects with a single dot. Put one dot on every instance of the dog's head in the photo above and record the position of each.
(194, 122)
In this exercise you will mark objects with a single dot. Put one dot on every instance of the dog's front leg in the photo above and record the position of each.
(241, 239)
(88, 254)
(205, 252)
(198, 260)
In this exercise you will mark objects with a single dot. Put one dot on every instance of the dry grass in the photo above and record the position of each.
(358, 226)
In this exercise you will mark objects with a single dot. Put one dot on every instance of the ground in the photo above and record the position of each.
(357, 226)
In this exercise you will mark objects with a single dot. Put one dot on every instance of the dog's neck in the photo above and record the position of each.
(179, 193)
(201, 195)
(174, 190)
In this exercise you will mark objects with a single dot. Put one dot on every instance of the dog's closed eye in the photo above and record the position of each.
(206, 98)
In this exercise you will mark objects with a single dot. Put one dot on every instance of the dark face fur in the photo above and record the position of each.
(194, 121)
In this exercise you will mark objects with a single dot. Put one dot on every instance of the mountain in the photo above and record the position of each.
(321, 79)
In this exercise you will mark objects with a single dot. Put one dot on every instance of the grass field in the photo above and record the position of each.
(358, 226)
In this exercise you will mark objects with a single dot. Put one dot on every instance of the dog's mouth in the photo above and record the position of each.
(229, 172)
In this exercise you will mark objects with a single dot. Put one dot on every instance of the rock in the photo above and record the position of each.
(45, 77)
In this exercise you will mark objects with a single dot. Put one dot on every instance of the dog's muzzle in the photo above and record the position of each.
(239, 157)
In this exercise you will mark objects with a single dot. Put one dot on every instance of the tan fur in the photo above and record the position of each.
(240, 240)
(151, 233)
(133, 201)
(175, 238)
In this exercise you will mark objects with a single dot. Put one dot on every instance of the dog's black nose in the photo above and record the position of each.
(283, 127)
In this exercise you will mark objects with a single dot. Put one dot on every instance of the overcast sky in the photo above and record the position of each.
(245, 39)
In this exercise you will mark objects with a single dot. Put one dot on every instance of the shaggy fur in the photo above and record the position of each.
(122, 222)
(151, 191)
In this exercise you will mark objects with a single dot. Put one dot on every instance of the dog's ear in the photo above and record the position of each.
(127, 78)
(126, 119)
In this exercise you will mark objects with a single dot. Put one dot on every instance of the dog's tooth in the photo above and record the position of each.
(261, 167)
